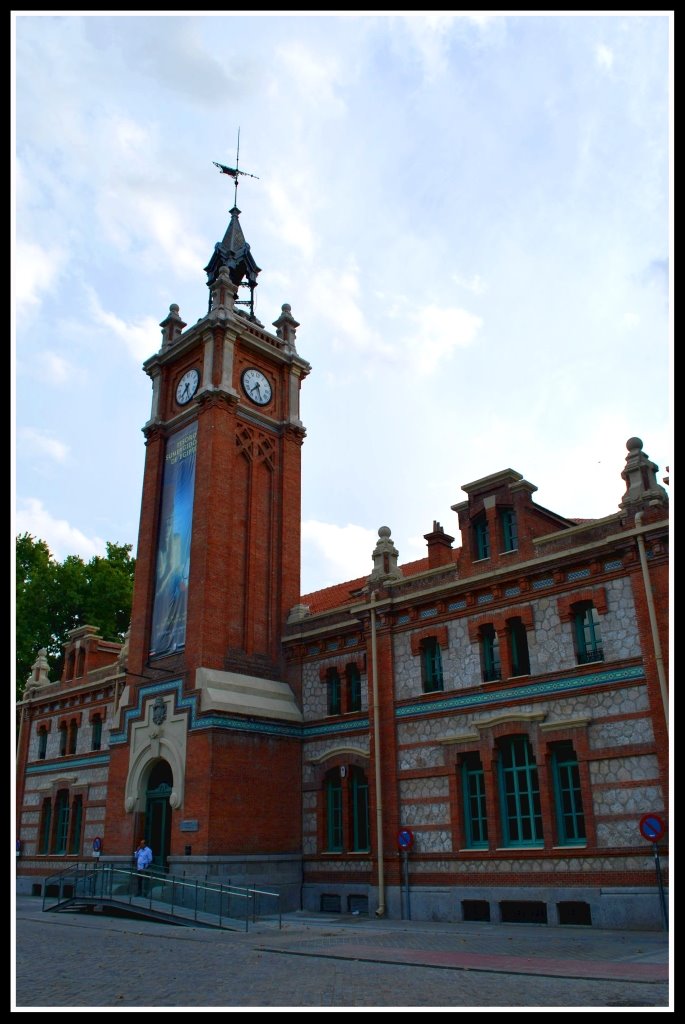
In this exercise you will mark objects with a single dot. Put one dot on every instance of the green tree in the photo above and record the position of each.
(52, 598)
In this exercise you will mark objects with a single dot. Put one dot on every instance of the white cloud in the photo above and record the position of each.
(438, 332)
(315, 79)
(604, 57)
(335, 553)
(62, 538)
(36, 272)
(37, 442)
(337, 298)
(141, 338)
(288, 221)
(474, 284)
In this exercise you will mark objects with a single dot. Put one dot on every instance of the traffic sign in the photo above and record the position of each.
(405, 839)
(652, 827)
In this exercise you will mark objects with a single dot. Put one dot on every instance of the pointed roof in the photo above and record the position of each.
(234, 253)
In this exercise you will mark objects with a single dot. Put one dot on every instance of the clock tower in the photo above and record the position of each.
(207, 742)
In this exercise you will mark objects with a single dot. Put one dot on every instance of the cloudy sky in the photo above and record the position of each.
(469, 216)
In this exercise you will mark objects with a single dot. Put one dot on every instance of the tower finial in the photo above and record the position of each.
(235, 171)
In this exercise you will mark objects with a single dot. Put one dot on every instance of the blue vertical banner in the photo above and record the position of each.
(173, 546)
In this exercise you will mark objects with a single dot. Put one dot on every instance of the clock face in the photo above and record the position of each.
(187, 386)
(256, 387)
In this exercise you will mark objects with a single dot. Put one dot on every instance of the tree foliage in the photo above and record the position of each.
(53, 598)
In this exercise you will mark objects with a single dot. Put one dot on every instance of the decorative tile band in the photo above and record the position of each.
(616, 564)
(577, 574)
(332, 645)
(401, 619)
(550, 687)
(456, 606)
(512, 591)
(485, 598)
(351, 641)
(312, 650)
(428, 613)
(539, 584)
(60, 765)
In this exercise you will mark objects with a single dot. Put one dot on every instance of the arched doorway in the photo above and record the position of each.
(158, 813)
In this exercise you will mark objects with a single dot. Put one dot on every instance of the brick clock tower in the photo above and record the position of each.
(205, 745)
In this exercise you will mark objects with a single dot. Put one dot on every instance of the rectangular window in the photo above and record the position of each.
(518, 647)
(588, 636)
(334, 692)
(360, 810)
(76, 819)
(431, 665)
(334, 830)
(62, 822)
(490, 659)
(46, 820)
(567, 795)
(96, 741)
(42, 743)
(73, 737)
(475, 818)
(519, 793)
(509, 530)
(354, 689)
(62, 740)
(482, 534)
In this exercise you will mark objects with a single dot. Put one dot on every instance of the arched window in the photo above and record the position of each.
(96, 739)
(510, 540)
(431, 665)
(63, 736)
(73, 735)
(354, 688)
(489, 654)
(519, 793)
(61, 822)
(334, 816)
(568, 798)
(334, 691)
(81, 662)
(42, 743)
(481, 534)
(518, 647)
(587, 633)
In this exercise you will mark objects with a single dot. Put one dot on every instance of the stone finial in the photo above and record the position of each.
(298, 612)
(223, 293)
(385, 556)
(122, 658)
(286, 326)
(642, 488)
(172, 326)
(39, 672)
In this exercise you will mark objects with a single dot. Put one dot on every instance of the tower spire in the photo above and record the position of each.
(235, 171)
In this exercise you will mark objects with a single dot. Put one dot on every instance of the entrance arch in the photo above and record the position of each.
(158, 813)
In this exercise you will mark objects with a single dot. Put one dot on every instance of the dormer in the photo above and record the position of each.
(499, 521)
(85, 651)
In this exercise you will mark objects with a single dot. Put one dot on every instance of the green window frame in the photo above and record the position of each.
(509, 529)
(519, 788)
(473, 794)
(518, 647)
(96, 740)
(482, 535)
(76, 822)
(568, 798)
(45, 822)
(490, 658)
(42, 743)
(588, 634)
(354, 688)
(359, 785)
(431, 665)
(334, 822)
(61, 822)
(334, 692)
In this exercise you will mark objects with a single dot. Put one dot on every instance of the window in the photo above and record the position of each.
(62, 822)
(42, 742)
(519, 793)
(96, 741)
(334, 692)
(45, 821)
(360, 809)
(588, 637)
(518, 647)
(473, 790)
(62, 740)
(76, 820)
(509, 530)
(431, 665)
(489, 653)
(354, 688)
(81, 664)
(482, 537)
(567, 795)
(334, 827)
(73, 736)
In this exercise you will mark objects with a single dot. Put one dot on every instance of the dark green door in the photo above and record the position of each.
(158, 814)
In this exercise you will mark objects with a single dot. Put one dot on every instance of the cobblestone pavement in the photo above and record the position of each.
(70, 960)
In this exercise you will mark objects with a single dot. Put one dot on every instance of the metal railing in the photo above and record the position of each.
(200, 901)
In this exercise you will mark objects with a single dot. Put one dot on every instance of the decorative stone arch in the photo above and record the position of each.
(146, 759)
(153, 741)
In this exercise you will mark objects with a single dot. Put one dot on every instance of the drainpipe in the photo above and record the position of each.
(380, 912)
(658, 657)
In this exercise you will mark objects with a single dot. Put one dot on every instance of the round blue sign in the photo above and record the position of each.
(405, 839)
(652, 827)
(97, 844)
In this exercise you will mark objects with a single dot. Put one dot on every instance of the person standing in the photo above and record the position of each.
(143, 858)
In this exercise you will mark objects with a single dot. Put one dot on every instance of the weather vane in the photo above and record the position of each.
(235, 171)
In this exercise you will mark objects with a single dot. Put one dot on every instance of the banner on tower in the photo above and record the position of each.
(173, 545)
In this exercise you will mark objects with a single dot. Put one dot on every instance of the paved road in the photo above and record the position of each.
(66, 960)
